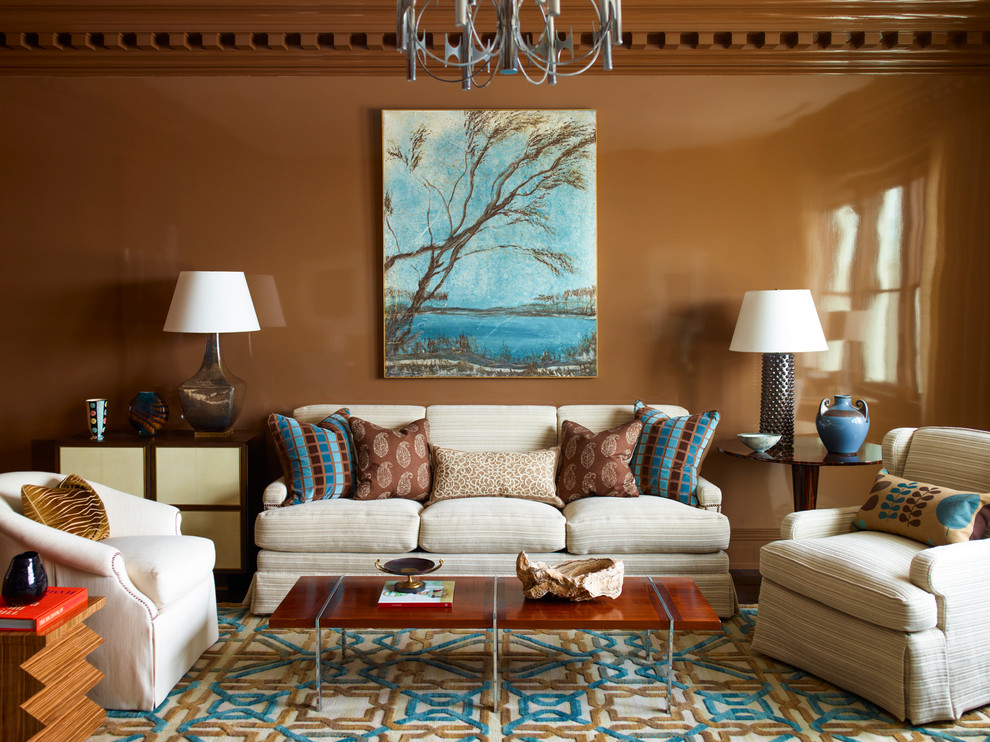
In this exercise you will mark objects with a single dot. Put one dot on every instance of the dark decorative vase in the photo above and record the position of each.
(841, 426)
(147, 412)
(26, 580)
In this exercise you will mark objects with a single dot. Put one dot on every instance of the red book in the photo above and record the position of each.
(56, 602)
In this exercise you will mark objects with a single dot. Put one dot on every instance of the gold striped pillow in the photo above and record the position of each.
(73, 506)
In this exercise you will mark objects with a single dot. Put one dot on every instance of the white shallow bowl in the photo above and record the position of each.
(759, 441)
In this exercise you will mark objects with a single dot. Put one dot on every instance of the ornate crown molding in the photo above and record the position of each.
(357, 37)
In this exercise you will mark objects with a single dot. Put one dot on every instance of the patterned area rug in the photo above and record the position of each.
(257, 685)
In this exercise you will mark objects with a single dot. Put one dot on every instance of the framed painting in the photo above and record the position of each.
(490, 244)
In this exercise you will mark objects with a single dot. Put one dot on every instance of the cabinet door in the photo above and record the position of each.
(209, 480)
(120, 467)
(198, 476)
(223, 528)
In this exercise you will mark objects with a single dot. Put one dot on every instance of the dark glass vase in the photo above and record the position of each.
(26, 580)
(147, 412)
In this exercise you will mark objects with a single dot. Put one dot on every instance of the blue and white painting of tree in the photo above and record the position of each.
(490, 241)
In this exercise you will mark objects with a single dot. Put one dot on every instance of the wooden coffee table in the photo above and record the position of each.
(350, 602)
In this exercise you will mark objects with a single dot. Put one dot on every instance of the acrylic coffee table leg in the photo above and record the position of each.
(496, 686)
(318, 659)
(668, 667)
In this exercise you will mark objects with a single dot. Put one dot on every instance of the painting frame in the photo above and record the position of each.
(490, 265)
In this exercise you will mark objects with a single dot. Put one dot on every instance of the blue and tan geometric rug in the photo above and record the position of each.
(257, 685)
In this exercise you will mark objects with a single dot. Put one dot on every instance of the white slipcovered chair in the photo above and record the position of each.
(161, 607)
(897, 622)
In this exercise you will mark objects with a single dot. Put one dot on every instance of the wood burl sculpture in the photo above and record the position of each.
(576, 579)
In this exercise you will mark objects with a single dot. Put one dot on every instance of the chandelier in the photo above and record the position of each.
(477, 56)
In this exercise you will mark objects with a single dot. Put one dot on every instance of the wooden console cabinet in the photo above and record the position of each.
(214, 481)
(45, 680)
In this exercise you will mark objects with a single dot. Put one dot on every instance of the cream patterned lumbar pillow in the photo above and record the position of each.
(529, 475)
(73, 506)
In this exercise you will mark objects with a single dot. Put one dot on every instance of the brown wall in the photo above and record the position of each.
(869, 190)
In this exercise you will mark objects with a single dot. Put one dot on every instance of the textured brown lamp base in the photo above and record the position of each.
(777, 398)
(212, 399)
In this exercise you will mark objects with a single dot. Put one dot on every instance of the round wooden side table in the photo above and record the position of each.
(806, 460)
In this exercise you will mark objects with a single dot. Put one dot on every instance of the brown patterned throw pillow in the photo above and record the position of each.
(597, 463)
(390, 463)
(73, 506)
(527, 475)
(923, 512)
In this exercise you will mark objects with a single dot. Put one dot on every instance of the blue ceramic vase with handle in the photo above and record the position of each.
(842, 426)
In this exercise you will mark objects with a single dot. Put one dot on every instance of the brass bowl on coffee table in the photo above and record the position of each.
(409, 567)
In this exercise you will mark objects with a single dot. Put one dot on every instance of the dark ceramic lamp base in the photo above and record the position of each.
(212, 399)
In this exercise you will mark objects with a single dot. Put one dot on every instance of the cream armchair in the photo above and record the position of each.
(161, 610)
(899, 623)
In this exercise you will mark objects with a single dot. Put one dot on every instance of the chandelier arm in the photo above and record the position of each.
(508, 52)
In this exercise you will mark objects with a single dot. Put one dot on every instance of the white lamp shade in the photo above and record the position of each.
(779, 321)
(211, 301)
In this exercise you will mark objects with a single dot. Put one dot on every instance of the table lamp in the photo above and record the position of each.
(212, 302)
(778, 324)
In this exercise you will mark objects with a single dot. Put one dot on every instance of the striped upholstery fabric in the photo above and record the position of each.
(950, 457)
(643, 525)
(341, 525)
(73, 506)
(317, 460)
(491, 524)
(864, 574)
(670, 451)
(481, 428)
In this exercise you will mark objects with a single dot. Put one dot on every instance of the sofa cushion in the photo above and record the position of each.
(643, 525)
(933, 515)
(596, 463)
(316, 459)
(391, 463)
(493, 427)
(866, 575)
(373, 526)
(165, 568)
(529, 475)
(670, 451)
(73, 506)
(491, 524)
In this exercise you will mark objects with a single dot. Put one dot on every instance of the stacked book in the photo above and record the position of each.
(435, 594)
(52, 608)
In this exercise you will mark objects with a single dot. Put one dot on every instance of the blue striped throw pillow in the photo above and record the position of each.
(317, 460)
(670, 451)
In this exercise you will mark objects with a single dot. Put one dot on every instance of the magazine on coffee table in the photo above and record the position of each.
(435, 594)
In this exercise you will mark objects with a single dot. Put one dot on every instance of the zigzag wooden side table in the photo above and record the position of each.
(44, 679)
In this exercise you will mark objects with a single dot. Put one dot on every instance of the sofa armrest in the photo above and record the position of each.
(709, 495)
(274, 494)
(55, 546)
(818, 523)
(956, 574)
(954, 571)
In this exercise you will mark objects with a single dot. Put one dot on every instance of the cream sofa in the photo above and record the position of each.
(483, 535)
